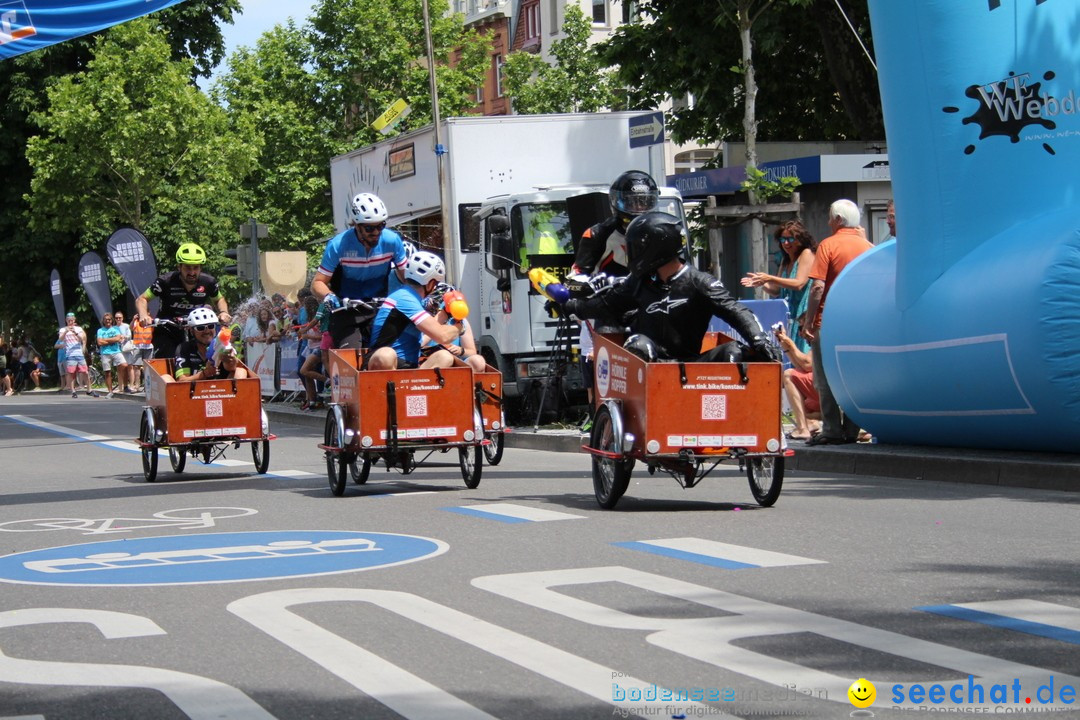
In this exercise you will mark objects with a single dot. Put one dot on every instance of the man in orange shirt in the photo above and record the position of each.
(847, 242)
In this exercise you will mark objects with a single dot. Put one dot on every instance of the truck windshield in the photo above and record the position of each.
(539, 230)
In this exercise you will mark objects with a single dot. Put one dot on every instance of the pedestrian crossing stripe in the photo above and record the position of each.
(511, 513)
(1034, 617)
(716, 554)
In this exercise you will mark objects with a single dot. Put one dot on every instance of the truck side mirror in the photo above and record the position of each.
(501, 248)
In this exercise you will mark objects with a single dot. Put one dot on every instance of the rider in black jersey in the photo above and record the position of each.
(181, 291)
(675, 301)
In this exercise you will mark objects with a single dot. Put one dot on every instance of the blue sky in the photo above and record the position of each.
(258, 17)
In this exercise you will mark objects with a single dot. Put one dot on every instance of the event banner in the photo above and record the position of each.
(57, 296)
(27, 25)
(95, 283)
(131, 255)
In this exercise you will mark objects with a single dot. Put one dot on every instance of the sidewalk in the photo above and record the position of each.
(1043, 471)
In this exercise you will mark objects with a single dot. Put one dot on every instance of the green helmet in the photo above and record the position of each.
(190, 254)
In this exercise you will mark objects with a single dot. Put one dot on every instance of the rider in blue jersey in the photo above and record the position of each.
(402, 319)
(357, 264)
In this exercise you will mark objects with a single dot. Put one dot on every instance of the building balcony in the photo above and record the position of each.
(481, 10)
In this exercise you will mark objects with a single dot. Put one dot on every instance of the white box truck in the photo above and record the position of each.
(528, 169)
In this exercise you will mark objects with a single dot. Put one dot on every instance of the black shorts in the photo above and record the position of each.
(351, 327)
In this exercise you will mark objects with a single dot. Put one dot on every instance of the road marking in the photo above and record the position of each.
(511, 513)
(291, 473)
(123, 445)
(1034, 617)
(180, 518)
(717, 554)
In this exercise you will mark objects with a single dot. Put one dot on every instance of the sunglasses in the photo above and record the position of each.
(372, 228)
(785, 240)
(203, 327)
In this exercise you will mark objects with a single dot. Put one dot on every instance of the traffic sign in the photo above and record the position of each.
(646, 129)
(215, 558)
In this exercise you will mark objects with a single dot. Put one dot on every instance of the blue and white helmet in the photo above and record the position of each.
(423, 267)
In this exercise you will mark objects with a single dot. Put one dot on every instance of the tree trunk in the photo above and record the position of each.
(757, 233)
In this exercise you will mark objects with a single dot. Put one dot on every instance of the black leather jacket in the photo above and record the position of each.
(675, 314)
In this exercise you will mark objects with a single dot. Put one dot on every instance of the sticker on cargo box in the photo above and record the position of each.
(416, 405)
(740, 440)
(714, 407)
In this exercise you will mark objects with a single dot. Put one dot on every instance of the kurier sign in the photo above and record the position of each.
(215, 558)
(647, 129)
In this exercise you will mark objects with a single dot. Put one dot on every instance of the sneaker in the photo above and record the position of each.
(129, 391)
(74, 394)
(93, 393)
(109, 395)
(587, 425)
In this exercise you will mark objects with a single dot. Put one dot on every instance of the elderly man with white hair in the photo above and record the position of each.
(847, 242)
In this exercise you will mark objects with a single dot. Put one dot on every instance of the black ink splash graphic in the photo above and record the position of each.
(1002, 109)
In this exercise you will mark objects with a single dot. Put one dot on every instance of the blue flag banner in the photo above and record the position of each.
(27, 25)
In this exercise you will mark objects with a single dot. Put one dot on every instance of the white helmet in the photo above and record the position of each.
(368, 209)
(201, 316)
(409, 246)
(423, 267)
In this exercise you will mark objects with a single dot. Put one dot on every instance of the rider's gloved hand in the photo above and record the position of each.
(553, 309)
(332, 301)
(764, 348)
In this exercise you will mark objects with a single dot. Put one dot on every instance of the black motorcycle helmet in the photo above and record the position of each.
(643, 347)
(652, 239)
(634, 192)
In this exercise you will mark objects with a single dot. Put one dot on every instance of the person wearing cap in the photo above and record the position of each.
(181, 291)
(72, 339)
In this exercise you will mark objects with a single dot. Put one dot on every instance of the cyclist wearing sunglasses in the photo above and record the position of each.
(194, 357)
(357, 264)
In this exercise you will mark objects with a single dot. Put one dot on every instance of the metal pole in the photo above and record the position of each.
(256, 286)
(449, 255)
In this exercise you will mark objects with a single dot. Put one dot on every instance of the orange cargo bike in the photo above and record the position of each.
(684, 419)
(392, 415)
(201, 418)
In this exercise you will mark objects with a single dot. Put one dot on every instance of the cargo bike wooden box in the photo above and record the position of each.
(684, 419)
(391, 415)
(201, 419)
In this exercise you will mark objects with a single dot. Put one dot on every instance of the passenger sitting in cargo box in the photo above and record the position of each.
(675, 301)
(195, 357)
(402, 319)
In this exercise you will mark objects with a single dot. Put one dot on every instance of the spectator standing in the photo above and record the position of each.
(109, 339)
(792, 284)
(72, 339)
(835, 252)
(128, 348)
(890, 220)
(5, 367)
(143, 338)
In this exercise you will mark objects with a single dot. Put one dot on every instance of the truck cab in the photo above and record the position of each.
(536, 354)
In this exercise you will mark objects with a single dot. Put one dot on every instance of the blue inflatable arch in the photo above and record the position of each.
(966, 330)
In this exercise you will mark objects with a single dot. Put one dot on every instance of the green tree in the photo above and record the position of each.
(193, 31)
(368, 54)
(131, 141)
(273, 89)
(577, 82)
(812, 77)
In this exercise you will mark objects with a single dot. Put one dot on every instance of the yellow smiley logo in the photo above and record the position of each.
(862, 693)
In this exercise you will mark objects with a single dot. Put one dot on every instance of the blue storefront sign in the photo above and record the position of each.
(215, 558)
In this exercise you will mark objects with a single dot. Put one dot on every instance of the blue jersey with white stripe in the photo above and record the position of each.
(396, 324)
(364, 273)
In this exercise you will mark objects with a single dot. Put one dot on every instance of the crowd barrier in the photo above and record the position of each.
(276, 364)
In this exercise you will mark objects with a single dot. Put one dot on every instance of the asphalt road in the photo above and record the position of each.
(219, 593)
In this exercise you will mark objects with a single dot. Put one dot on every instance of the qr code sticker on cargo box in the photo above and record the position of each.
(213, 408)
(416, 405)
(714, 407)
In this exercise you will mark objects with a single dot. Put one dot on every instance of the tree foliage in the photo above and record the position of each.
(368, 54)
(273, 90)
(192, 30)
(577, 82)
(814, 81)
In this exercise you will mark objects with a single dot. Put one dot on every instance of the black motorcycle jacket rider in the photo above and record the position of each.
(675, 314)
